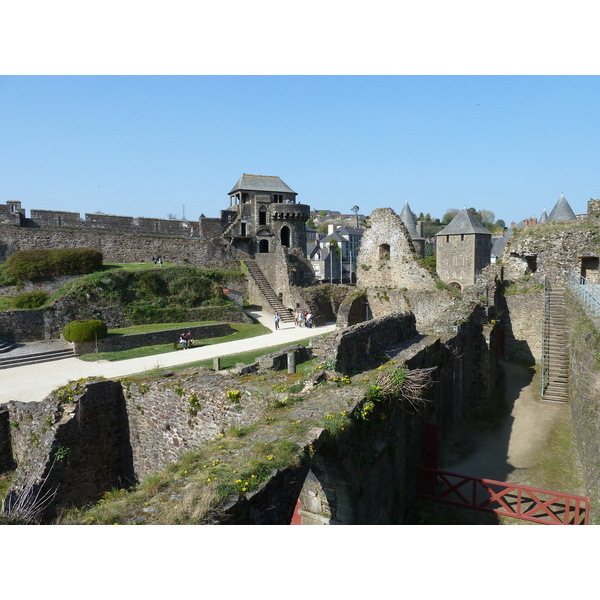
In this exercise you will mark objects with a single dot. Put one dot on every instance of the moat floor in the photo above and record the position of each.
(34, 382)
(527, 441)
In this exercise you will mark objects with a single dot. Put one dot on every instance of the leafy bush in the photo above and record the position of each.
(44, 265)
(85, 331)
(30, 300)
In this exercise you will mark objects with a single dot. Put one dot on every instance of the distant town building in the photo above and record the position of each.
(343, 267)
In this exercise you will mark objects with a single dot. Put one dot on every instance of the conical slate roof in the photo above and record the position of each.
(261, 183)
(409, 222)
(463, 222)
(544, 217)
(562, 211)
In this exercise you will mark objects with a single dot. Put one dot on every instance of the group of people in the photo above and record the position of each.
(157, 260)
(303, 318)
(186, 340)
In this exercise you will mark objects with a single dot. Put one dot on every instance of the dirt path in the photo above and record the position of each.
(509, 448)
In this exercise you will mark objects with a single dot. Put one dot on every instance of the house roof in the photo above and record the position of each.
(463, 222)
(562, 211)
(261, 183)
(345, 230)
(498, 245)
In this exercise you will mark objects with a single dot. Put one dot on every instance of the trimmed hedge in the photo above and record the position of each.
(85, 331)
(44, 265)
(30, 300)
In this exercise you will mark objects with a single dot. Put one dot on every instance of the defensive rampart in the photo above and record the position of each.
(123, 246)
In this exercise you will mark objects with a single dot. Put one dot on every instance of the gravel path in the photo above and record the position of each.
(34, 382)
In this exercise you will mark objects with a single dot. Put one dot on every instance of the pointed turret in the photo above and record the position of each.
(544, 217)
(409, 221)
(562, 211)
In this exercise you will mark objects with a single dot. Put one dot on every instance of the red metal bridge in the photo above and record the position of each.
(501, 498)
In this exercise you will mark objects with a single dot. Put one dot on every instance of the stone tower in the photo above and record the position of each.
(463, 249)
(263, 215)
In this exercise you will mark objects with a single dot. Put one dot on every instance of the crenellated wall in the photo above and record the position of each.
(124, 246)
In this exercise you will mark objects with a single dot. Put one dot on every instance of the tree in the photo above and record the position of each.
(499, 225)
(449, 215)
(487, 216)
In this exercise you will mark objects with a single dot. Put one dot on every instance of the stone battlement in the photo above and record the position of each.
(11, 213)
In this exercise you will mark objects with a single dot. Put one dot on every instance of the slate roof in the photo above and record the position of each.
(544, 217)
(261, 183)
(562, 211)
(498, 244)
(409, 221)
(345, 230)
(463, 222)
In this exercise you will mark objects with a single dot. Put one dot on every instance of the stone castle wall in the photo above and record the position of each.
(122, 246)
(551, 249)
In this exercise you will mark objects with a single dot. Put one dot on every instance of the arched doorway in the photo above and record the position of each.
(263, 246)
(285, 236)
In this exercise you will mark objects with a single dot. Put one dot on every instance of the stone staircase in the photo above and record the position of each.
(267, 291)
(6, 346)
(556, 351)
(18, 357)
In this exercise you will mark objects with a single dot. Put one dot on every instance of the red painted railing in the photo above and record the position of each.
(501, 498)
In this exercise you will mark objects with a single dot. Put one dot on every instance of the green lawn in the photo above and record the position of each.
(135, 266)
(242, 331)
(227, 362)
(157, 327)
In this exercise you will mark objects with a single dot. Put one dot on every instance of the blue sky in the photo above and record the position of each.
(152, 145)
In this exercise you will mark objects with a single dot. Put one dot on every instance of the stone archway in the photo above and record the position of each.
(326, 497)
(263, 246)
(285, 236)
(454, 285)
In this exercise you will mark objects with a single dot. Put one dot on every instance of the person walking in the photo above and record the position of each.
(277, 319)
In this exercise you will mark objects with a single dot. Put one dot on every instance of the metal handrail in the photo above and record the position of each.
(545, 336)
(587, 292)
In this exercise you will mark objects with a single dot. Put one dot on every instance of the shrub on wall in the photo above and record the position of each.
(84, 331)
(44, 265)
(30, 300)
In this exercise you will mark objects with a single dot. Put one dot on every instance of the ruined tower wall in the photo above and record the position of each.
(386, 257)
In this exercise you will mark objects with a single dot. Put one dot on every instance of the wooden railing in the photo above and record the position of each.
(501, 498)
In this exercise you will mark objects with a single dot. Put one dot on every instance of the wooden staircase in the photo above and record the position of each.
(555, 384)
(266, 290)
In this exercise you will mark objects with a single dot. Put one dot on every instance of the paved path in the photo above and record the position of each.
(34, 382)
